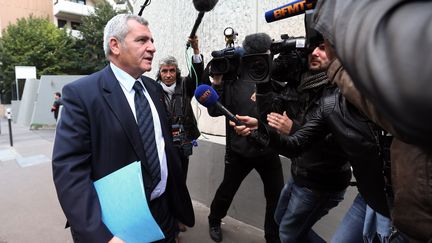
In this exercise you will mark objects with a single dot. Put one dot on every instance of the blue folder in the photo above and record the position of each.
(124, 205)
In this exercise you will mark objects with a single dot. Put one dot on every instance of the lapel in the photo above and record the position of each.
(116, 100)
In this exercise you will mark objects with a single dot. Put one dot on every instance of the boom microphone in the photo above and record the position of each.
(201, 6)
(289, 10)
(147, 2)
(197, 23)
(257, 43)
(204, 5)
(208, 97)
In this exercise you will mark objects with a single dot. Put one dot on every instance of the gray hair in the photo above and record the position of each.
(118, 28)
(169, 60)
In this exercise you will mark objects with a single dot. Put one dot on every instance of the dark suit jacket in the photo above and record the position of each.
(96, 135)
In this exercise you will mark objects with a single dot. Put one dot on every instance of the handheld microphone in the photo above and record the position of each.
(289, 10)
(208, 97)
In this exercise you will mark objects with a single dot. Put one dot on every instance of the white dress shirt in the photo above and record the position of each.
(127, 82)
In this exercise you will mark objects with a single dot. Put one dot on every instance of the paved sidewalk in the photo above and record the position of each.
(30, 212)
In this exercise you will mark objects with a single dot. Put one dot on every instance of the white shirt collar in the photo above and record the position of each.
(125, 79)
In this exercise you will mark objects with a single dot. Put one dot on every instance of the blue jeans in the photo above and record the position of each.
(299, 209)
(362, 224)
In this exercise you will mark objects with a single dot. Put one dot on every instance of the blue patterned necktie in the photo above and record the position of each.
(146, 129)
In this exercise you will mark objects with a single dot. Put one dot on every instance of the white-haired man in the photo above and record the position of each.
(101, 131)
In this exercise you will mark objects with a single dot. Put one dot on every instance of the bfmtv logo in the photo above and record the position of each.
(289, 10)
(205, 96)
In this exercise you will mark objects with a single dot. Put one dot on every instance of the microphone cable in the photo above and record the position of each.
(191, 69)
(146, 3)
(188, 59)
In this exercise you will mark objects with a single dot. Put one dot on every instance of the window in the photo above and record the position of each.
(74, 25)
(79, 1)
(61, 23)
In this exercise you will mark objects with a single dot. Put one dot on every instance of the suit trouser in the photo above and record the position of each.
(237, 167)
(163, 216)
(185, 166)
(184, 159)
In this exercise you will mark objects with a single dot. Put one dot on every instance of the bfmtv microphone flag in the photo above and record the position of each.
(289, 10)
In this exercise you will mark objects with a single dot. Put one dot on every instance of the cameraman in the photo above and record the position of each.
(368, 217)
(178, 92)
(321, 174)
(394, 90)
(241, 156)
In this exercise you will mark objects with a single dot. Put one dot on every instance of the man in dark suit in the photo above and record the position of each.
(99, 132)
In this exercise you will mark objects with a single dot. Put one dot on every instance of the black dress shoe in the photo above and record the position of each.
(215, 233)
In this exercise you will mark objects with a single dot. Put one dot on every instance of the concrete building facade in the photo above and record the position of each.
(10, 11)
(68, 13)
(172, 23)
(63, 13)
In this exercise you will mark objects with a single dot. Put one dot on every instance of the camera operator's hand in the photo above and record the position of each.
(194, 44)
(217, 79)
(251, 123)
(282, 123)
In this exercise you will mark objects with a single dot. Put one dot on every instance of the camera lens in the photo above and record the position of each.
(257, 67)
(219, 65)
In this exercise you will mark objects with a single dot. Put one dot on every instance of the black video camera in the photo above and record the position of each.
(291, 60)
(286, 67)
(227, 60)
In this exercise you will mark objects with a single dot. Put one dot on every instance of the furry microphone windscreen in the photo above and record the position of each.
(204, 5)
(257, 43)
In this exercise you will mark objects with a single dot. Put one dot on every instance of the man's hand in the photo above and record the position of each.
(194, 44)
(245, 130)
(115, 239)
(282, 123)
(217, 79)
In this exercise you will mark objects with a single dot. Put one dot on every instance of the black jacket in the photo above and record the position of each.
(237, 96)
(411, 167)
(322, 166)
(370, 38)
(394, 77)
(179, 107)
(356, 136)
